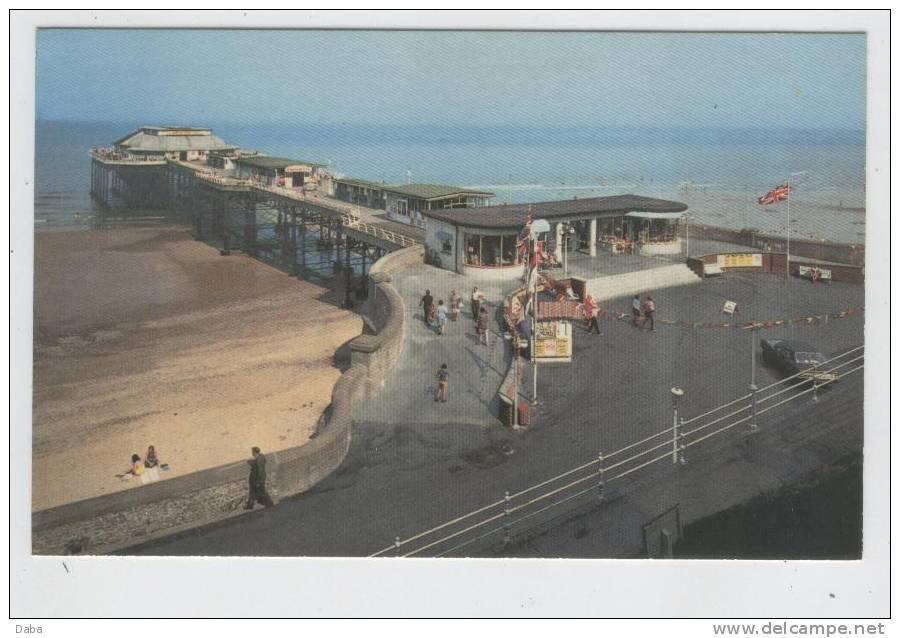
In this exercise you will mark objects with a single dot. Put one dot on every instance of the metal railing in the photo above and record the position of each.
(518, 510)
(349, 214)
(120, 157)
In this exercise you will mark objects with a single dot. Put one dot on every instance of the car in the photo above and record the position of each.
(796, 358)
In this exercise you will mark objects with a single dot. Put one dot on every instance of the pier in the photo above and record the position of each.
(300, 228)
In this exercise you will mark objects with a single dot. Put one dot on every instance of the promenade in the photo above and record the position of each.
(414, 463)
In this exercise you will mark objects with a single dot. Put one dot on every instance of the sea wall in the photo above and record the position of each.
(116, 521)
(850, 254)
(775, 263)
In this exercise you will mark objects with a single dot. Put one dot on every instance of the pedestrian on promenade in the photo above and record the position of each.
(455, 305)
(481, 326)
(637, 312)
(593, 323)
(257, 492)
(441, 316)
(443, 377)
(523, 327)
(649, 309)
(426, 304)
(588, 310)
(477, 300)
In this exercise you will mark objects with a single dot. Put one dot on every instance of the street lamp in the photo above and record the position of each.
(677, 393)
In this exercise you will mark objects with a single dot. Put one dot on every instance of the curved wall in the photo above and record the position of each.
(124, 519)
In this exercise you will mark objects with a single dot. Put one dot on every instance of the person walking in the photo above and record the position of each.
(481, 326)
(477, 300)
(441, 316)
(637, 312)
(588, 310)
(443, 377)
(426, 304)
(455, 305)
(593, 323)
(257, 492)
(649, 309)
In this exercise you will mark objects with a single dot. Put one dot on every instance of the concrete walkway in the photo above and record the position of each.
(475, 370)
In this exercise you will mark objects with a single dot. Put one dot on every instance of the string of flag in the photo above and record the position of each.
(749, 325)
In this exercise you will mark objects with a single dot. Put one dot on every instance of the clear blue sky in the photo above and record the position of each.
(528, 79)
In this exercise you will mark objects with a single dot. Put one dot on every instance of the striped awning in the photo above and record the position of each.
(554, 310)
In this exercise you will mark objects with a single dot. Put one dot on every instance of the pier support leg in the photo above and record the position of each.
(250, 229)
(294, 243)
(302, 248)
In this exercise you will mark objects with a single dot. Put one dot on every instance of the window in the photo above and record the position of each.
(446, 247)
(491, 250)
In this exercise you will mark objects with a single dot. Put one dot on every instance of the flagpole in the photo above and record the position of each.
(787, 266)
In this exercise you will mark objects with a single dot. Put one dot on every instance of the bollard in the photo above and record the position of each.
(815, 391)
(507, 538)
(600, 477)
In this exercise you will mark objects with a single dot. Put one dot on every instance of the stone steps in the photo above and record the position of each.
(641, 282)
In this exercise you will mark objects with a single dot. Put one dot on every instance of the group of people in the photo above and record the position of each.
(438, 315)
(147, 469)
(642, 312)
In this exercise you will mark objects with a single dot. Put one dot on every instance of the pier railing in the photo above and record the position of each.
(119, 157)
(349, 213)
(496, 522)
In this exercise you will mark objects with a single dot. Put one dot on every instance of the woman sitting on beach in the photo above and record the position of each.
(151, 464)
(137, 469)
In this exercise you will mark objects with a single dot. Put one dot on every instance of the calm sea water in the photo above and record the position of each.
(718, 173)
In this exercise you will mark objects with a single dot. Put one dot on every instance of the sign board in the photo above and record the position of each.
(730, 307)
(553, 341)
(807, 271)
(739, 260)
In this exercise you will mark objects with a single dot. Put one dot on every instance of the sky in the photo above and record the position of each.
(406, 78)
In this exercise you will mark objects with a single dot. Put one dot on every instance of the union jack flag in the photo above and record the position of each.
(777, 194)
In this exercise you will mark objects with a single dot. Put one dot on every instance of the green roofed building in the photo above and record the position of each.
(407, 202)
(280, 171)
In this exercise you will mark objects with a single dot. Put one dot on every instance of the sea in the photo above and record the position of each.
(719, 173)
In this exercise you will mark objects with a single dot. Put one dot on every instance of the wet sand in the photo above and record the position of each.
(145, 336)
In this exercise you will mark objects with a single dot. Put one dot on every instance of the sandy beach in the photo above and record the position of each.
(147, 337)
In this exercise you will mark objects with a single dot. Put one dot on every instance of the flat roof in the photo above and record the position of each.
(432, 191)
(513, 215)
(363, 183)
(266, 161)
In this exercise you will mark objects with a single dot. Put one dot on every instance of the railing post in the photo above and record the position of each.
(681, 445)
(600, 471)
(506, 526)
(397, 545)
(753, 391)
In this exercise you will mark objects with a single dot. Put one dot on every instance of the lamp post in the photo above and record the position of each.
(753, 388)
(677, 393)
(538, 226)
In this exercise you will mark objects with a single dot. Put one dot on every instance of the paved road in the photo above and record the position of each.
(414, 463)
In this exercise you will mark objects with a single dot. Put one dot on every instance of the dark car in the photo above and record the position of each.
(795, 358)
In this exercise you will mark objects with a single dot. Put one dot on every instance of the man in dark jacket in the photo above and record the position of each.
(258, 481)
